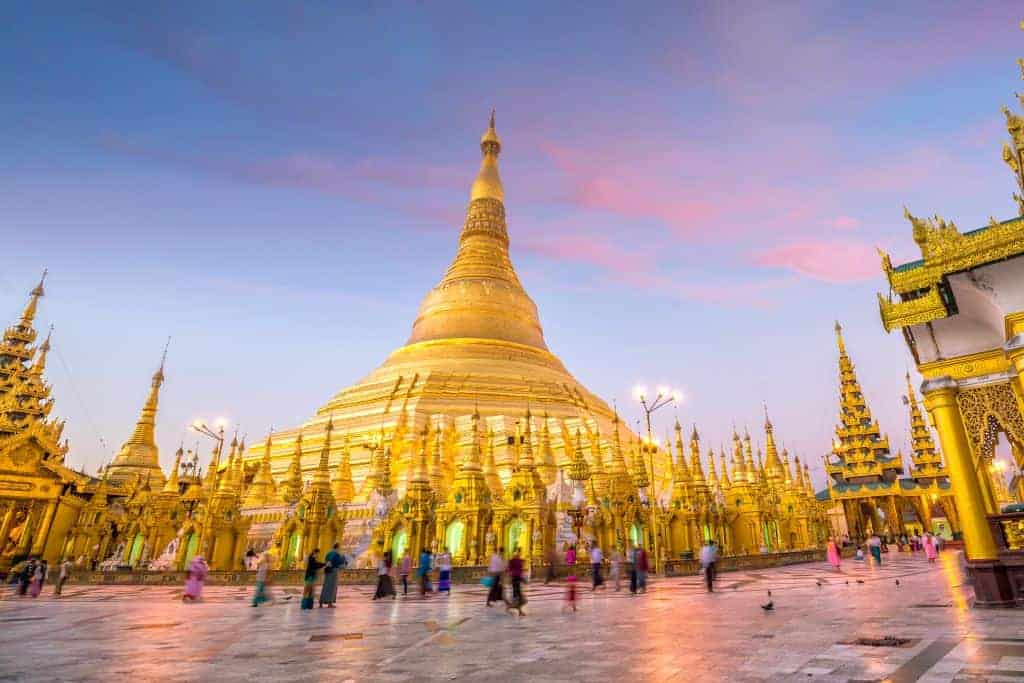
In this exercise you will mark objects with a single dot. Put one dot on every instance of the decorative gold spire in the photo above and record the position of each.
(322, 476)
(696, 468)
(342, 486)
(480, 296)
(772, 464)
(579, 469)
(437, 478)
(291, 487)
(488, 183)
(472, 462)
(739, 467)
(263, 490)
(39, 364)
(526, 457)
(924, 455)
(548, 467)
(172, 481)
(139, 454)
(29, 314)
(724, 482)
(421, 476)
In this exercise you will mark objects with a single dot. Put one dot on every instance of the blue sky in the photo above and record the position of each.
(694, 194)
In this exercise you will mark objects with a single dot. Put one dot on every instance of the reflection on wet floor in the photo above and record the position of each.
(859, 624)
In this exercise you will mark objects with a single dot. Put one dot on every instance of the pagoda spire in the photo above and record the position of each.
(291, 488)
(695, 465)
(39, 364)
(724, 482)
(172, 481)
(29, 314)
(263, 490)
(139, 454)
(472, 461)
(466, 304)
(526, 458)
(548, 466)
(681, 469)
(772, 464)
(923, 451)
(488, 182)
(436, 465)
(490, 469)
(342, 485)
(739, 467)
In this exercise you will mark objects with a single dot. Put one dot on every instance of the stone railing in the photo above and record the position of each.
(470, 574)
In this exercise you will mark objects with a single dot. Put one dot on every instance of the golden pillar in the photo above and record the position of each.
(39, 544)
(940, 400)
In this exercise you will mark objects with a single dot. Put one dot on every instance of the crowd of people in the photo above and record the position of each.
(31, 575)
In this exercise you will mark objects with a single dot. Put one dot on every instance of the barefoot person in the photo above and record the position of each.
(834, 556)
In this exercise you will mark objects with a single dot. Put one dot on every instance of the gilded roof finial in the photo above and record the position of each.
(29, 314)
(488, 183)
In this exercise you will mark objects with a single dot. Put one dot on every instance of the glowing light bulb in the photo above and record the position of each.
(197, 423)
(663, 390)
(677, 396)
(639, 392)
(221, 422)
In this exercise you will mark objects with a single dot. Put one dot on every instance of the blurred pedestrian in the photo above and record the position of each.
(444, 572)
(423, 572)
(384, 585)
(262, 593)
(875, 548)
(515, 575)
(596, 558)
(38, 579)
(404, 567)
(709, 563)
(930, 550)
(25, 578)
(333, 562)
(495, 568)
(833, 554)
(197, 571)
(616, 568)
(642, 568)
(313, 565)
(63, 576)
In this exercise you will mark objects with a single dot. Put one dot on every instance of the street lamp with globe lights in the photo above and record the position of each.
(201, 427)
(665, 396)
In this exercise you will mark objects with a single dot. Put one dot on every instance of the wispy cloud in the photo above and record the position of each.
(825, 261)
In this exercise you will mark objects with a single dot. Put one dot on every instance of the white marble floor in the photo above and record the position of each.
(676, 632)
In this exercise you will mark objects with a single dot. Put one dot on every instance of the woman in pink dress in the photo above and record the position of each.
(834, 556)
(929, 547)
(197, 572)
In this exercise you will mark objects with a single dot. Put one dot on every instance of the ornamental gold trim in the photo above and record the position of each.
(967, 367)
(897, 314)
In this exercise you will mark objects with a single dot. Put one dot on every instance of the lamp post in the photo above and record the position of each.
(663, 397)
(201, 427)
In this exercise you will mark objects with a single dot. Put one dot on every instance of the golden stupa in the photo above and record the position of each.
(476, 345)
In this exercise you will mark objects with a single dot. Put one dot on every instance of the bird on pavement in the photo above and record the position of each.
(768, 606)
(818, 582)
(897, 583)
(860, 581)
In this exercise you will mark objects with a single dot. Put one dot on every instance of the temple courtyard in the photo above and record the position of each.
(676, 632)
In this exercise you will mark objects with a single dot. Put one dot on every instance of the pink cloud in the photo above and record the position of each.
(826, 261)
(844, 223)
(633, 267)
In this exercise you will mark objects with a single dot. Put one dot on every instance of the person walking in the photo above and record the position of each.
(875, 548)
(615, 571)
(708, 561)
(423, 572)
(642, 567)
(384, 584)
(515, 574)
(262, 594)
(930, 549)
(833, 555)
(333, 562)
(549, 576)
(313, 565)
(495, 568)
(38, 579)
(25, 577)
(444, 572)
(404, 567)
(596, 558)
(634, 558)
(197, 571)
(63, 576)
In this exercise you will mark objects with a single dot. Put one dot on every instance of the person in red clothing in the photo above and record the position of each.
(515, 574)
(641, 568)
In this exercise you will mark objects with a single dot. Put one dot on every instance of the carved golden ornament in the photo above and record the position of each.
(1013, 530)
(946, 250)
(965, 367)
(981, 407)
(897, 314)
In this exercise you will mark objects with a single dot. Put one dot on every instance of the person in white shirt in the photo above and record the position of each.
(708, 558)
(494, 570)
(596, 558)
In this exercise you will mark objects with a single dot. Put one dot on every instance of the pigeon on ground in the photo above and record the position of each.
(768, 606)
(818, 582)
(847, 582)
(860, 581)
(897, 583)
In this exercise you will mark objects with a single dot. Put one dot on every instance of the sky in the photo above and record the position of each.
(694, 193)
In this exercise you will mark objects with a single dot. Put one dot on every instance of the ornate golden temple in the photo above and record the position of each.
(960, 309)
(471, 436)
